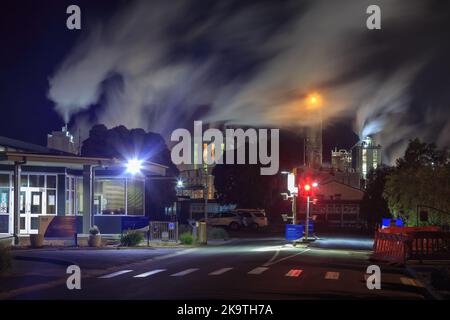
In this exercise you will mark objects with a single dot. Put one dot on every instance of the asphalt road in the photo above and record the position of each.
(265, 268)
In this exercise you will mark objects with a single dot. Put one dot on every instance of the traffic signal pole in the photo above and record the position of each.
(307, 219)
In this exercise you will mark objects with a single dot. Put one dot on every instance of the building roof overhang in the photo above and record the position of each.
(75, 162)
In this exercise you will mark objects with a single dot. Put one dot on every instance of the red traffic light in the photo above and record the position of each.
(307, 187)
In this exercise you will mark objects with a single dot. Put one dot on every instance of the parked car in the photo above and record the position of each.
(225, 219)
(253, 218)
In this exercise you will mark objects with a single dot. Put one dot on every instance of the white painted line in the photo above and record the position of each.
(183, 273)
(294, 273)
(258, 270)
(146, 274)
(220, 271)
(411, 282)
(330, 275)
(272, 261)
(114, 274)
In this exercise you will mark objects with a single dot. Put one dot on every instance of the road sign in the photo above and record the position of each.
(294, 232)
(171, 226)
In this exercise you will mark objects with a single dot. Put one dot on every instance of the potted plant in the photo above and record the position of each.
(36, 240)
(95, 239)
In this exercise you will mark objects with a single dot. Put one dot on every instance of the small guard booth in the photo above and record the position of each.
(97, 191)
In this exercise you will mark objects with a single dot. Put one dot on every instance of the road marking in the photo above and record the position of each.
(330, 275)
(271, 261)
(411, 282)
(258, 270)
(294, 273)
(146, 274)
(220, 271)
(184, 272)
(114, 274)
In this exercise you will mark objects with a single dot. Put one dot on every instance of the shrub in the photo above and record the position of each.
(131, 238)
(217, 233)
(5, 259)
(186, 238)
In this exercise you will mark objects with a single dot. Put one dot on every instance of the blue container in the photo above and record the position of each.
(294, 232)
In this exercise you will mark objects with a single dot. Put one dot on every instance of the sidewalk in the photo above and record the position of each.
(430, 274)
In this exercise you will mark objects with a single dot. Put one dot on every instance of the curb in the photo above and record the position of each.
(433, 293)
(46, 260)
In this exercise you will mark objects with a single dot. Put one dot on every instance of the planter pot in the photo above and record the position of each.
(36, 240)
(95, 241)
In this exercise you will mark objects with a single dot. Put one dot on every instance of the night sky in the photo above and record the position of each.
(159, 65)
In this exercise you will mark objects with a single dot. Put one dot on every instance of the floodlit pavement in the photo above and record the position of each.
(265, 268)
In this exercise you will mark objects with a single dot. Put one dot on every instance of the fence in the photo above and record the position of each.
(412, 244)
(429, 245)
(163, 231)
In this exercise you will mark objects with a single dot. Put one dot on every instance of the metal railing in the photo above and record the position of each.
(163, 231)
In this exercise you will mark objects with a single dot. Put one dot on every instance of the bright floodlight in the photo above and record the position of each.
(134, 166)
(180, 183)
(315, 184)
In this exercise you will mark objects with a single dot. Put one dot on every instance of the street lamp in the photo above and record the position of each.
(134, 166)
(314, 100)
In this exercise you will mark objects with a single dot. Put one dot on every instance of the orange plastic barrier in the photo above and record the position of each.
(390, 247)
(411, 243)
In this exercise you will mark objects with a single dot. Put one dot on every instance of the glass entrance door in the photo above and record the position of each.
(31, 206)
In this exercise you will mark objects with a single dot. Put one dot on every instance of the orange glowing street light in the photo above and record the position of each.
(314, 100)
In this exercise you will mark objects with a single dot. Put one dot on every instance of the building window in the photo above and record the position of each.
(79, 195)
(364, 162)
(5, 188)
(135, 197)
(109, 196)
(70, 195)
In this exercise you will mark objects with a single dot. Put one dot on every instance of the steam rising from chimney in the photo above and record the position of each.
(160, 64)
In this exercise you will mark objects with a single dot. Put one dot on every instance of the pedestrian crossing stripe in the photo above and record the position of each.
(411, 282)
(146, 274)
(330, 275)
(294, 273)
(184, 272)
(258, 270)
(220, 271)
(115, 274)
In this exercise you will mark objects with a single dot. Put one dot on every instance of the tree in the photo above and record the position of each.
(373, 206)
(421, 178)
(122, 143)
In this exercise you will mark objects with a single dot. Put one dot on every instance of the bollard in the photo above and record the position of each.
(75, 239)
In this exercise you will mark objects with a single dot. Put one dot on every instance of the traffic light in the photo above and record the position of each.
(308, 188)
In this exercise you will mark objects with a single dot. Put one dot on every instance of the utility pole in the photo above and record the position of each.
(294, 199)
